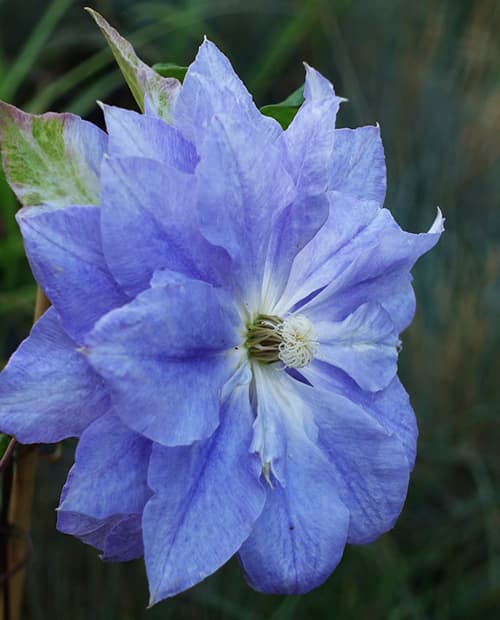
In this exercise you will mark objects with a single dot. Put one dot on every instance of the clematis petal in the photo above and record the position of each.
(309, 140)
(119, 536)
(357, 167)
(364, 345)
(300, 536)
(89, 530)
(291, 230)
(381, 272)
(254, 190)
(51, 159)
(153, 206)
(279, 411)
(381, 253)
(137, 135)
(65, 254)
(154, 94)
(47, 390)
(211, 87)
(165, 357)
(109, 476)
(313, 267)
(124, 541)
(207, 498)
(390, 407)
(369, 464)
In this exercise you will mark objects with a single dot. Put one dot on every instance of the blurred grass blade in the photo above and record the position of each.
(281, 44)
(286, 609)
(35, 44)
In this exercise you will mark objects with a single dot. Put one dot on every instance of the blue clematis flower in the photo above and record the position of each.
(227, 299)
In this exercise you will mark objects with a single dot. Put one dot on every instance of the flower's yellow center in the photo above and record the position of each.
(272, 339)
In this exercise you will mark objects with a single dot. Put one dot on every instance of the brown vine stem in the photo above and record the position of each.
(20, 504)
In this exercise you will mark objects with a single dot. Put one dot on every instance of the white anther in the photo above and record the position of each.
(299, 342)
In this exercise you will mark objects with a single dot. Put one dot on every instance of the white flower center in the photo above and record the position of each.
(272, 339)
(298, 341)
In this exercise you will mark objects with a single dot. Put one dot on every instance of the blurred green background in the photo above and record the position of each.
(429, 73)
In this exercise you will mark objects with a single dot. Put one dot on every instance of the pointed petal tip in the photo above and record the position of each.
(208, 46)
(152, 601)
(438, 224)
(317, 86)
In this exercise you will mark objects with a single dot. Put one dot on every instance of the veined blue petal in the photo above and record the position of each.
(368, 463)
(65, 253)
(206, 500)
(109, 476)
(364, 345)
(47, 390)
(390, 407)
(381, 252)
(309, 140)
(211, 87)
(278, 412)
(372, 266)
(166, 357)
(138, 135)
(119, 536)
(291, 230)
(300, 536)
(253, 191)
(315, 265)
(357, 167)
(124, 541)
(153, 206)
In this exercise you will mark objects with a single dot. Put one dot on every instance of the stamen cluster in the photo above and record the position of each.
(264, 339)
(292, 340)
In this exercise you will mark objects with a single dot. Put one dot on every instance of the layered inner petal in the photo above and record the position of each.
(207, 498)
(237, 206)
(48, 391)
(364, 344)
(309, 140)
(314, 267)
(390, 407)
(374, 268)
(166, 357)
(64, 250)
(371, 265)
(137, 135)
(153, 206)
(291, 229)
(299, 538)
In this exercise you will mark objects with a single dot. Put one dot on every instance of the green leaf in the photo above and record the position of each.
(285, 111)
(170, 69)
(50, 159)
(148, 87)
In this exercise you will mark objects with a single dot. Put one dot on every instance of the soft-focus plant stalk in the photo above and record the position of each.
(20, 505)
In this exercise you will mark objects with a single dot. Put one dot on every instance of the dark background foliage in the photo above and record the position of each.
(429, 73)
